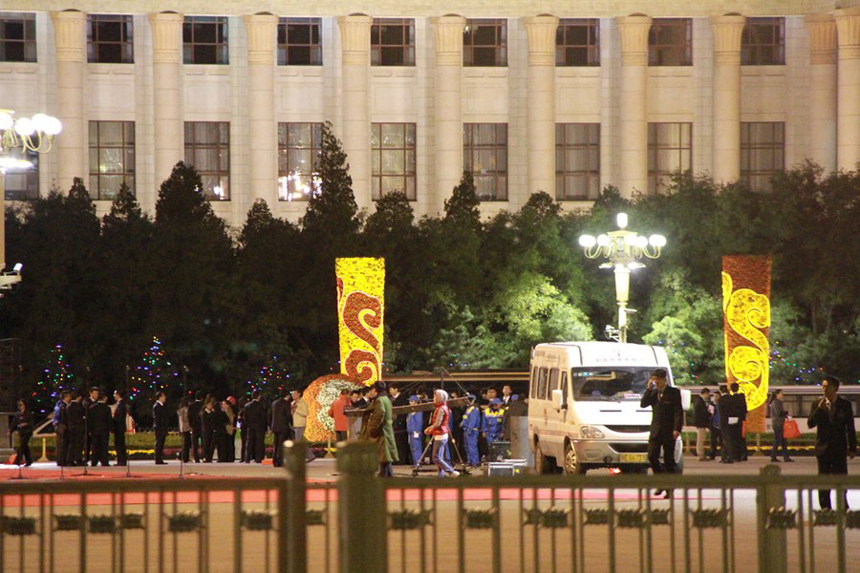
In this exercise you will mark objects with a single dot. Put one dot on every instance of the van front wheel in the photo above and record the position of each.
(572, 465)
(543, 465)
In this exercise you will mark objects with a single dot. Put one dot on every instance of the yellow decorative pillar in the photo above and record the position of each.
(70, 38)
(262, 34)
(633, 31)
(848, 92)
(167, 108)
(541, 103)
(727, 97)
(355, 32)
(448, 121)
(822, 90)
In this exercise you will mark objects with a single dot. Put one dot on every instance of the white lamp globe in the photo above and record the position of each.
(587, 241)
(621, 219)
(603, 240)
(24, 126)
(54, 126)
(6, 121)
(641, 242)
(657, 240)
(40, 121)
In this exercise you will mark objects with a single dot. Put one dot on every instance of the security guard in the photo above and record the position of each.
(493, 425)
(471, 432)
(415, 430)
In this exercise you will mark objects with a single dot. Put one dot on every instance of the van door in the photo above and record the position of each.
(555, 418)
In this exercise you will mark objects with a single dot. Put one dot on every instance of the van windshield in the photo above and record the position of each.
(609, 383)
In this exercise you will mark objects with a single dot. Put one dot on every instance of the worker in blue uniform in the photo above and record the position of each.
(493, 425)
(415, 430)
(472, 431)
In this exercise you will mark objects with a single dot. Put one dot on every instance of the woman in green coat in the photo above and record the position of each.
(380, 428)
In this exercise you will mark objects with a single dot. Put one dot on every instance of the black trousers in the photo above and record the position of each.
(208, 445)
(779, 440)
(401, 440)
(99, 443)
(716, 440)
(220, 439)
(667, 446)
(61, 446)
(23, 456)
(827, 465)
(160, 437)
(230, 444)
(739, 442)
(186, 447)
(255, 449)
(75, 448)
(278, 449)
(728, 444)
(197, 441)
(119, 446)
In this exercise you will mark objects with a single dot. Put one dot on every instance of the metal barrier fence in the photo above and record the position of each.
(362, 524)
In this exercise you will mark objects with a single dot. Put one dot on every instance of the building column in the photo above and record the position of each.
(448, 135)
(726, 143)
(355, 33)
(848, 90)
(70, 38)
(541, 103)
(167, 117)
(633, 31)
(262, 33)
(822, 90)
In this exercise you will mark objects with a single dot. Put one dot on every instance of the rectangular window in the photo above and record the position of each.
(577, 42)
(207, 148)
(17, 37)
(485, 43)
(23, 184)
(485, 156)
(762, 152)
(111, 158)
(670, 42)
(577, 161)
(110, 39)
(392, 42)
(393, 159)
(300, 42)
(542, 376)
(204, 40)
(763, 42)
(670, 150)
(299, 146)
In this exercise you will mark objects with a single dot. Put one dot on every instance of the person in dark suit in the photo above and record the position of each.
(667, 419)
(120, 413)
(739, 411)
(401, 437)
(254, 422)
(280, 422)
(77, 431)
(99, 422)
(836, 440)
(23, 424)
(194, 410)
(207, 425)
(87, 402)
(61, 428)
(160, 420)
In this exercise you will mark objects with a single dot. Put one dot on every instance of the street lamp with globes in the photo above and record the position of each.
(623, 250)
(24, 134)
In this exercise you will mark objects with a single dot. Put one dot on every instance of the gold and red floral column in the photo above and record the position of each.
(360, 304)
(746, 321)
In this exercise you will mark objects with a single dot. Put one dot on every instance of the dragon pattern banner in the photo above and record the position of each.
(360, 305)
(746, 322)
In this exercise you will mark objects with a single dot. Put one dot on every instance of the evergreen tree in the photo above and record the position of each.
(464, 206)
(154, 373)
(333, 207)
(55, 378)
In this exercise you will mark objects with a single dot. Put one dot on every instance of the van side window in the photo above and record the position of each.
(541, 393)
(564, 387)
(533, 386)
(553, 381)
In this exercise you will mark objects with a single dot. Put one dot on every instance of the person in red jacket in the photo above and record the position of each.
(341, 423)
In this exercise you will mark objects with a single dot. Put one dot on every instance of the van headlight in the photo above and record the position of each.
(590, 432)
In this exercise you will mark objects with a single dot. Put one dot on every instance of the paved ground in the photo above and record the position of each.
(435, 547)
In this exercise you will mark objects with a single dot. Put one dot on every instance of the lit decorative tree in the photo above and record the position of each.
(271, 377)
(56, 377)
(154, 373)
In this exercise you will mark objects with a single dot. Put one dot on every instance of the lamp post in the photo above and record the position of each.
(34, 134)
(622, 249)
